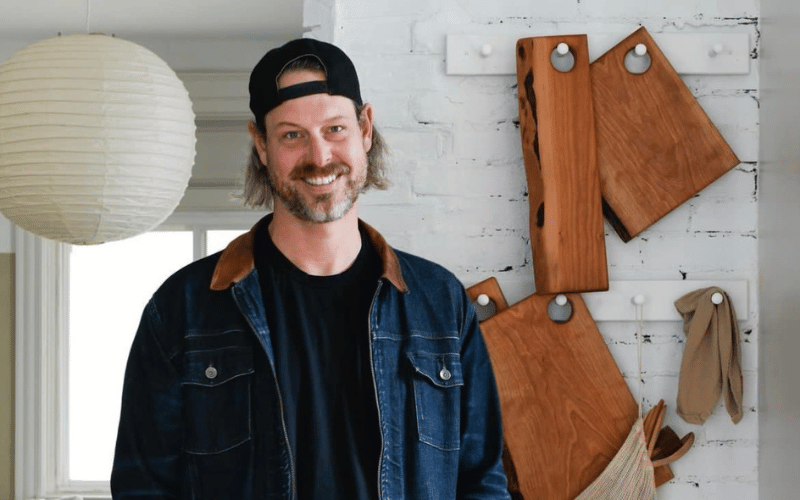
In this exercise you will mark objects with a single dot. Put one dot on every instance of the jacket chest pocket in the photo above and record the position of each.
(437, 383)
(216, 391)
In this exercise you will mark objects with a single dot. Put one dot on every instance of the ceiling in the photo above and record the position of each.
(263, 19)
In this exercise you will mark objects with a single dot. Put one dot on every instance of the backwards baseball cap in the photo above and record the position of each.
(340, 75)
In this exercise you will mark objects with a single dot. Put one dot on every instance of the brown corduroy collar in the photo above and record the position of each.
(237, 259)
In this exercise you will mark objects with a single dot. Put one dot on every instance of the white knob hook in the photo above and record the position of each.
(561, 299)
(483, 300)
(640, 49)
(638, 299)
(716, 50)
(486, 50)
(562, 49)
(716, 298)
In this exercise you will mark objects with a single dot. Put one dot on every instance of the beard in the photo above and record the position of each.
(322, 208)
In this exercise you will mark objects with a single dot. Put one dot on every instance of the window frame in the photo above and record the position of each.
(41, 350)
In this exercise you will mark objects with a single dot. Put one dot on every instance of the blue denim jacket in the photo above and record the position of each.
(202, 414)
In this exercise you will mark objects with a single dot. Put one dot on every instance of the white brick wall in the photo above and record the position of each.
(459, 193)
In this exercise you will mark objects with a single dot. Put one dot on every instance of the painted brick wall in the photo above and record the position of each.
(459, 194)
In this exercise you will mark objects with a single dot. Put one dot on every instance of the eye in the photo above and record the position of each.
(336, 129)
(291, 135)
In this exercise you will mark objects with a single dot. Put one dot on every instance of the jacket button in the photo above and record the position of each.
(211, 372)
(444, 374)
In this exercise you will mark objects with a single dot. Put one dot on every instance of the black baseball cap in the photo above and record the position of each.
(341, 78)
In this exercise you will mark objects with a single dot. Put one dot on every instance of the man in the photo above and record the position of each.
(309, 359)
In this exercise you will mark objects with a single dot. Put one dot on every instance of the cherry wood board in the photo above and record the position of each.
(566, 408)
(656, 147)
(557, 129)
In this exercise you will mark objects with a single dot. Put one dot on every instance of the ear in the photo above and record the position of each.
(259, 141)
(365, 122)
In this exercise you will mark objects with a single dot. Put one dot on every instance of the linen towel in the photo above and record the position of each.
(711, 363)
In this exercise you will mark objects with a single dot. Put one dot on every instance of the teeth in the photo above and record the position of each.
(320, 181)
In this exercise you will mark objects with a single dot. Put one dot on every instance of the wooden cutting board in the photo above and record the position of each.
(566, 408)
(558, 144)
(656, 147)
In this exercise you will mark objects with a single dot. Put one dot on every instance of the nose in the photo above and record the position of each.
(320, 151)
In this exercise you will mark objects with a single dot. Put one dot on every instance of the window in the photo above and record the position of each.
(109, 286)
(68, 358)
(77, 311)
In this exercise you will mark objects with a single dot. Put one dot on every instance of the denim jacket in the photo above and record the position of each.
(202, 414)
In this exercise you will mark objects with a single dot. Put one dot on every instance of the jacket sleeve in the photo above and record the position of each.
(481, 474)
(148, 450)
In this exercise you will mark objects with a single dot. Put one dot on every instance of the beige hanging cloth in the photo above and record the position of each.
(712, 360)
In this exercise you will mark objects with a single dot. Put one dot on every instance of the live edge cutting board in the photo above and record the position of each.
(656, 148)
(566, 408)
(557, 129)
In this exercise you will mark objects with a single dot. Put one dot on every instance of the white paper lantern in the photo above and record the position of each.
(97, 139)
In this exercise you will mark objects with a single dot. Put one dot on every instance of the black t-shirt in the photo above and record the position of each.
(319, 327)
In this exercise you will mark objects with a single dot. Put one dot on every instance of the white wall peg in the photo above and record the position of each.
(706, 53)
(717, 298)
(486, 49)
(562, 59)
(637, 61)
(561, 299)
(688, 53)
(658, 299)
(483, 300)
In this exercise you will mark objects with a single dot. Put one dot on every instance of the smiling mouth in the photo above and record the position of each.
(320, 181)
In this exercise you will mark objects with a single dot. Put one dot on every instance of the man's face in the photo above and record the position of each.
(315, 151)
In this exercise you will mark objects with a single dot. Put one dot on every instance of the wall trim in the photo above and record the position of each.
(41, 290)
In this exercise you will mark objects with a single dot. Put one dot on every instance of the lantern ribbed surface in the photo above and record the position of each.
(97, 139)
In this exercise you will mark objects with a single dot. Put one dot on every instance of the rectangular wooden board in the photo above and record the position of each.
(558, 145)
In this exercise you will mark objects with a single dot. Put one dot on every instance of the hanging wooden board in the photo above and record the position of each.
(566, 408)
(558, 145)
(656, 147)
(497, 303)
(491, 288)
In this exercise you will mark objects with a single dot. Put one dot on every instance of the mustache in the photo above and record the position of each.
(309, 169)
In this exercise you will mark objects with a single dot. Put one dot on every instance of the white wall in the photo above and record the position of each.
(459, 194)
(779, 239)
